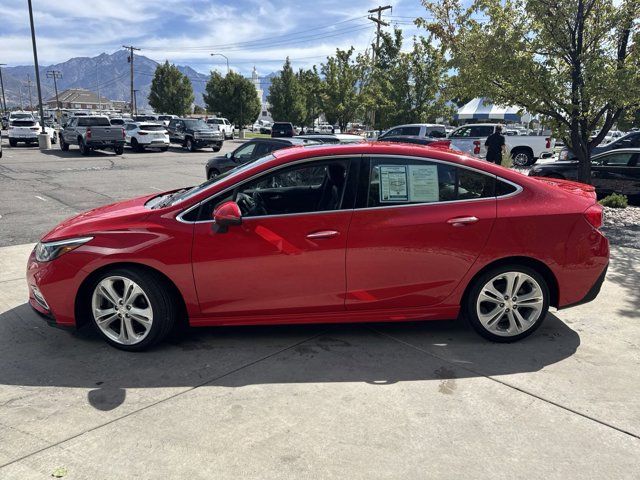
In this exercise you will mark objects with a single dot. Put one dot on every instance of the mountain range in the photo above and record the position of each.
(109, 72)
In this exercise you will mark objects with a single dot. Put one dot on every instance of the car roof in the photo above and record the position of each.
(616, 151)
(285, 140)
(417, 125)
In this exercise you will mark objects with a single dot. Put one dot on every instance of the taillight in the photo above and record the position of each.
(593, 215)
(548, 140)
(88, 134)
(476, 147)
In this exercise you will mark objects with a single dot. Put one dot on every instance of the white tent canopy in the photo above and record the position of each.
(482, 109)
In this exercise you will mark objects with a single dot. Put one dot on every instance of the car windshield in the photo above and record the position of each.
(186, 193)
(164, 117)
(195, 124)
(23, 123)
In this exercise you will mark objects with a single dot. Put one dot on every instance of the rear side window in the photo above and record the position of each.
(410, 131)
(152, 128)
(481, 131)
(504, 188)
(394, 181)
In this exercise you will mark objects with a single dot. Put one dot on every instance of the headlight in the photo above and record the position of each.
(47, 251)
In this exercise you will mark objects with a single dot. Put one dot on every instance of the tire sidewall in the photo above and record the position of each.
(471, 299)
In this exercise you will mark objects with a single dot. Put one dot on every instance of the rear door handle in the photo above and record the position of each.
(323, 234)
(461, 221)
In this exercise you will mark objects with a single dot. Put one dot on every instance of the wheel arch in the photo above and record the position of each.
(523, 148)
(81, 302)
(537, 265)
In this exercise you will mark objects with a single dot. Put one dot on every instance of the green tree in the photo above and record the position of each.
(576, 62)
(342, 87)
(233, 97)
(171, 91)
(285, 96)
(311, 86)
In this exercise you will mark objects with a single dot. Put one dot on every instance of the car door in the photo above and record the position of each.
(609, 172)
(288, 255)
(631, 187)
(67, 133)
(418, 227)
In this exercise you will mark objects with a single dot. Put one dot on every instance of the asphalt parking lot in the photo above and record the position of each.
(418, 400)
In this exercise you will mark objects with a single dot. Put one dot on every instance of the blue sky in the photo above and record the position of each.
(249, 32)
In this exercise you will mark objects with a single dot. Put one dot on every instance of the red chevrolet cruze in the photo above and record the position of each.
(319, 234)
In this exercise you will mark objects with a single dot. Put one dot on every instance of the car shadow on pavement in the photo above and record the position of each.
(76, 154)
(34, 354)
(624, 272)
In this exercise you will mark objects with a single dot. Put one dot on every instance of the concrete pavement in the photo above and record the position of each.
(420, 400)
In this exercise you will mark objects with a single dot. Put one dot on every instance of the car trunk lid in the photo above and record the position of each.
(581, 189)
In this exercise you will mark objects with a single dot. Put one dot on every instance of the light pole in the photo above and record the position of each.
(4, 101)
(35, 61)
(225, 57)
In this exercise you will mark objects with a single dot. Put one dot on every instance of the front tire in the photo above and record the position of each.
(119, 150)
(84, 150)
(213, 174)
(64, 146)
(132, 309)
(507, 303)
(13, 143)
(190, 145)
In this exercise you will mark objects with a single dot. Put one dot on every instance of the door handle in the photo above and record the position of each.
(323, 234)
(461, 221)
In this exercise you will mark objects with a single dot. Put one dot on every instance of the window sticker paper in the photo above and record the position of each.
(393, 183)
(423, 183)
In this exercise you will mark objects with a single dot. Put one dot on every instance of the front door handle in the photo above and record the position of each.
(323, 234)
(461, 221)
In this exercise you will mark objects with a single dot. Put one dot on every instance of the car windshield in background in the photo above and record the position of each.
(152, 128)
(23, 123)
(195, 124)
(117, 121)
(94, 122)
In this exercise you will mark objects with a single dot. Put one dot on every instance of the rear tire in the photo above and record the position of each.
(147, 315)
(136, 146)
(13, 143)
(64, 146)
(507, 303)
(164, 149)
(119, 150)
(522, 158)
(84, 150)
(190, 145)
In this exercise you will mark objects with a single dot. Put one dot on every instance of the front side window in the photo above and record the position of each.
(461, 132)
(245, 152)
(615, 159)
(410, 131)
(394, 181)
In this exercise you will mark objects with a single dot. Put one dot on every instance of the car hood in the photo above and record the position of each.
(109, 217)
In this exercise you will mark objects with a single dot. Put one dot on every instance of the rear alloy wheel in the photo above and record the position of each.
(136, 146)
(508, 303)
(190, 145)
(522, 158)
(132, 309)
(84, 150)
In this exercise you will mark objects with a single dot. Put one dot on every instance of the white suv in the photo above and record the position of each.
(224, 126)
(141, 135)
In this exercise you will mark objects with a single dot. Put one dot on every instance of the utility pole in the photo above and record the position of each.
(20, 90)
(379, 22)
(30, 98)
(4, 101)
(55, 74)
(130, 59)
(135, 102)
(35, 61)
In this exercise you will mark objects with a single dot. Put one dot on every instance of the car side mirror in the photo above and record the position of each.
(227, 155)
(226, 215)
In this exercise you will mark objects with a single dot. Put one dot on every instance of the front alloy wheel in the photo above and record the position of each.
(132, 309)
(508, 304)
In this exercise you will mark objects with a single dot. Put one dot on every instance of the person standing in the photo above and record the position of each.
(496, 146)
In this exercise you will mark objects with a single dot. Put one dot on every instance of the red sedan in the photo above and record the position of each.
(351, 233)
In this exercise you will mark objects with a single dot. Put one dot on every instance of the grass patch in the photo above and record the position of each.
(615, 200)
(256, 135)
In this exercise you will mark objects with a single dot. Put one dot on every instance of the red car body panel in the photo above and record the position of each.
(389, 263)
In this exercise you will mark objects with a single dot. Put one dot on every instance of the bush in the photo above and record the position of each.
(615, 200)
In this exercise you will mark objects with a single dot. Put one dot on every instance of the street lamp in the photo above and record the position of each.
(225, 57)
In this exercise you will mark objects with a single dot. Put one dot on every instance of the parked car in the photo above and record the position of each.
(91, 133)
(227, 129)
(630, 140)
(194, 134)
(145, 118)
(165, 119)
(117, 121)
(440, 142)
(524, 149)
(334, 233)
(26, 130)
(282, 129)
(333, 137)
(141, 135)
(250, 151)
(613, 171)
(4, 122)
(426, 130)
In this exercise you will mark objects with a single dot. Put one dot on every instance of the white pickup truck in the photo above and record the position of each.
(224, 126)
(524, 149)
